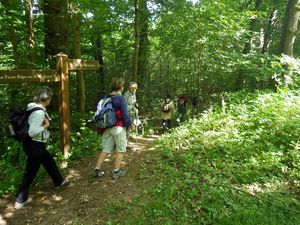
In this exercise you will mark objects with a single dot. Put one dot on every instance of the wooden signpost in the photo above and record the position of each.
(28, 76)
(61, 75)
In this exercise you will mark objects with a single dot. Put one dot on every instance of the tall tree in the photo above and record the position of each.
(98, 53)
(77, 54)
(272, 21)
(30, 33)
(56, 27)
(143, 53)
(137, 40)
(289, 27)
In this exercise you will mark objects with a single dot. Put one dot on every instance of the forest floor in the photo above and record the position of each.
(87, 200)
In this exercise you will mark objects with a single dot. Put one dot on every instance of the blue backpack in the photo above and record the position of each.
(106, 115)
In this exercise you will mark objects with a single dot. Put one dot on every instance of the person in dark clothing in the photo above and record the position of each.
(195, 101)
(181, 107)
(115, 137)
(35, 149)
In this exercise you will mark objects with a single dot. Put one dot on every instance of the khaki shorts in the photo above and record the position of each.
(114, 137)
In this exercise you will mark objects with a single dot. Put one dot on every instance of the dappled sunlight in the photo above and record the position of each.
(124, 163)
(148, 138)
(139, 144)
(62, 203)
(8, 209)
(56, 198)
(107, 159)
(2, 220)
(275, 186)
(253, 188)
(247, 159)
(73, 174)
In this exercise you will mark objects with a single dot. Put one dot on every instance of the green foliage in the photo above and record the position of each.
(9, 166)
(236, 164)
(195, 49)
(203, 46)
(289, 77)
(211, 163)
(84, 140)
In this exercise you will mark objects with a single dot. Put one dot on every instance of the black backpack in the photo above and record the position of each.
(18, 123)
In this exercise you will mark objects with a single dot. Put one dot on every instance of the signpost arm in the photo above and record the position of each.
(64, 103)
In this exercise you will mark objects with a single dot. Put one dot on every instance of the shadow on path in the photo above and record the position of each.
(87, 200)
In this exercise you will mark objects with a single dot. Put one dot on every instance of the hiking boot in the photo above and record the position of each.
(119, 173)
(18, 205)
(98, 173)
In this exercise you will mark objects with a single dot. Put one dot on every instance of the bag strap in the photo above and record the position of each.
(34, 109)
(111, 98)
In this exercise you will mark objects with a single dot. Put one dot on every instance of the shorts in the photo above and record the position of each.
(114, 137)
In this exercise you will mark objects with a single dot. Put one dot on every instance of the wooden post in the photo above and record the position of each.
(64, 103)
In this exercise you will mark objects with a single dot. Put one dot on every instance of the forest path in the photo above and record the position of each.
(88, 200)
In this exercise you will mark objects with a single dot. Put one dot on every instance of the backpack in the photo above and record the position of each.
(106, 117)
(18, 123)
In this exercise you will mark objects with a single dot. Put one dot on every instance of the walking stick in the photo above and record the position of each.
(136, 129)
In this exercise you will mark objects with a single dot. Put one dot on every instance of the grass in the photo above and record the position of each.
(233, 165)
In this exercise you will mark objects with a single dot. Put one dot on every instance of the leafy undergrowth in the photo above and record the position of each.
(238, 164)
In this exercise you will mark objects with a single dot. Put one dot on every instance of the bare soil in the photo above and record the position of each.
(87, 200)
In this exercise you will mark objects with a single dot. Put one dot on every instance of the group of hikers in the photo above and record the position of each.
(168, 109)
(114, 138)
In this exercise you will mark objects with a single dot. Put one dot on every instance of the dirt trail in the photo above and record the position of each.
(87, 200)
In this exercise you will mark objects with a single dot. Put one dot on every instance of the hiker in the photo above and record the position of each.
(114, 137)
(132, 106)
(195, 101)
(181, 107)
(167, 111)
(35, 148)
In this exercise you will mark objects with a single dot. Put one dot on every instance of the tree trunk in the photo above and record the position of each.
(77, 55)
(30, 33)
(101, 72)
(137, 41)
(56, 28)
(144, 43)
(289, 27)
(268, 31)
